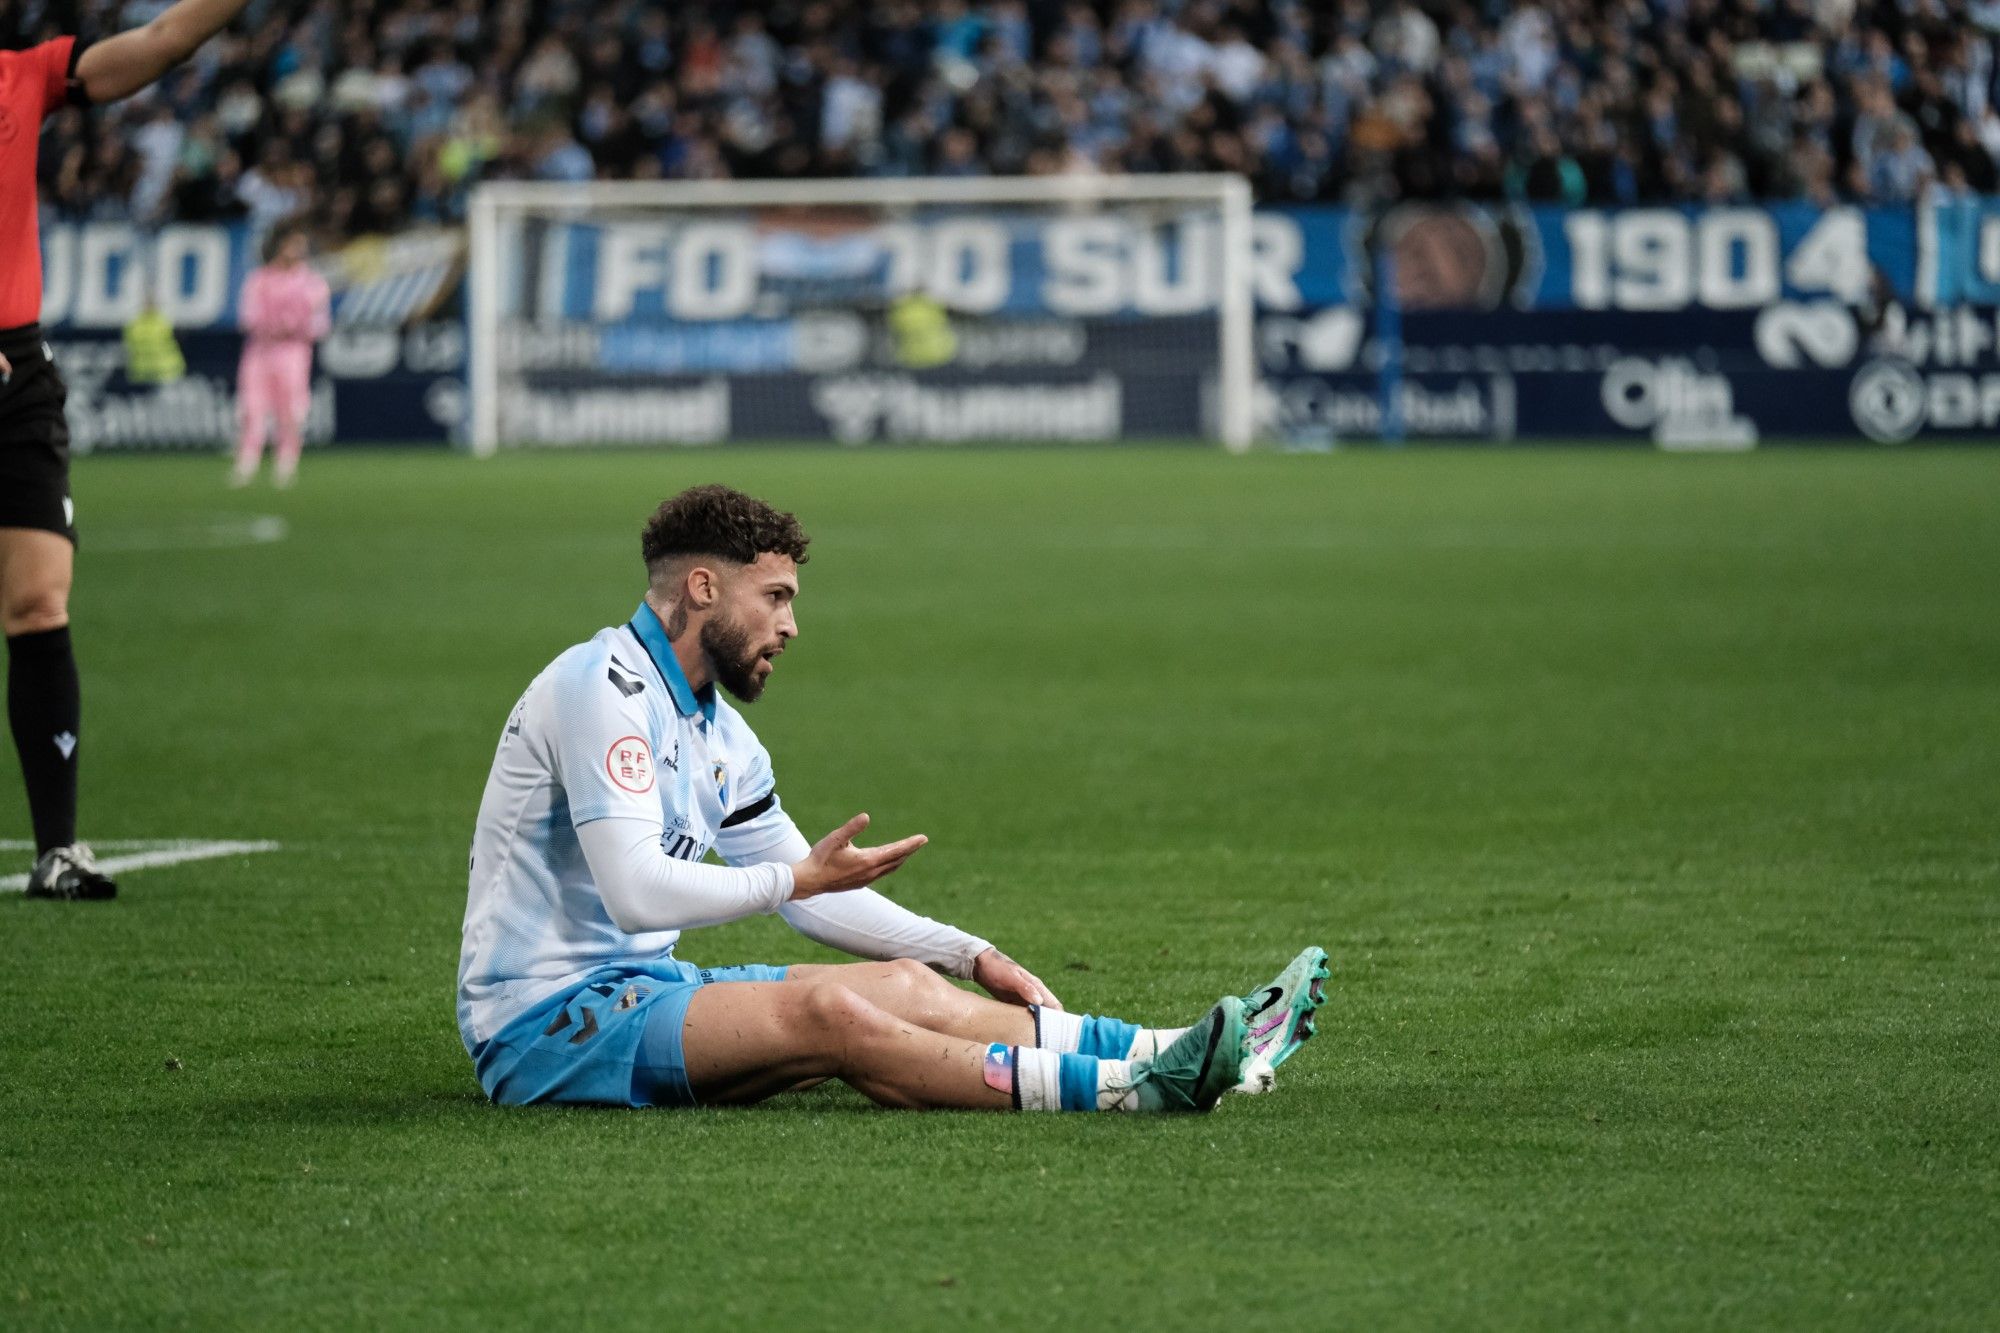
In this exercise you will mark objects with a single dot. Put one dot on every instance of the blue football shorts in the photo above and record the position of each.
(613, 1039)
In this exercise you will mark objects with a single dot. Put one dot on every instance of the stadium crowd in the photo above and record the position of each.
(369, 115)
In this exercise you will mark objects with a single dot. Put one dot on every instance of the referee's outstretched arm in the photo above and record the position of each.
(120, 66)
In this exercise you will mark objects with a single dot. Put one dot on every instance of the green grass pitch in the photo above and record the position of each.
(1647, 805)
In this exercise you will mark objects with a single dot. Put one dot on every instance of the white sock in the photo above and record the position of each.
(1058, 1030)
(1037, 1079)
(1114, 1086)
(1151, 1041)
(1061, 1031)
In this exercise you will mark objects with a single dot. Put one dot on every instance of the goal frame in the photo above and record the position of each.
(490, 202)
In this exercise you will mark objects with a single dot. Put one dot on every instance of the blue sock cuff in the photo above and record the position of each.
(1077, 1082)
(1107, 1038)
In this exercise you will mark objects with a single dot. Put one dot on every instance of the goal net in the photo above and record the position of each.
(936, 310)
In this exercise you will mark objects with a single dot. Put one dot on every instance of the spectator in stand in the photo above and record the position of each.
(1899, 171)
(1627, 102)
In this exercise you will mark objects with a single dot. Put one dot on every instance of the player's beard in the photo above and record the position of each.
(733, 657)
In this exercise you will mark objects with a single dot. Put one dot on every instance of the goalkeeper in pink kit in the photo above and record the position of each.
(283, 311)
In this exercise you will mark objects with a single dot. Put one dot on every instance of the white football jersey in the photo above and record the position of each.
(610, 729)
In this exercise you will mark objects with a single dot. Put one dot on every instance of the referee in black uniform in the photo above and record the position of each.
(37, 518)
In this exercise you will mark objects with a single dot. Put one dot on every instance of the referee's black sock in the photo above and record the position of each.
(45, 709)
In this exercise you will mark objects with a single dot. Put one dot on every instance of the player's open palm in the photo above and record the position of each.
(836, 864)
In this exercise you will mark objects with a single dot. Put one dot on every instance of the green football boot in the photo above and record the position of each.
(1203, 1063)
(1281, 1014)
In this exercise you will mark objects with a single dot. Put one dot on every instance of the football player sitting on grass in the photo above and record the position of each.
(621, 767)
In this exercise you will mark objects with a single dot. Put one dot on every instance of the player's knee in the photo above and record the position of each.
(923, 997)
(840, 1019)
(926, 991)
(830, 1007)
(32, 610)
(914, 976)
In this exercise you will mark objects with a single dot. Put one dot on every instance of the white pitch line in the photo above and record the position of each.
(211, 535)
(157, 852)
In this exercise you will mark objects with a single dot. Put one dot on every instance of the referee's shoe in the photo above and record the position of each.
(70, 873)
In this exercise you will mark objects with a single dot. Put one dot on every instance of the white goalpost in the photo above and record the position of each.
(922, 310)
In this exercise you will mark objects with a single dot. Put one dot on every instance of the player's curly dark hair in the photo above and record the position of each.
(721, 522)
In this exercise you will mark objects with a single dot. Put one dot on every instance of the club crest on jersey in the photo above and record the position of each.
(630, 764)
(722, 783)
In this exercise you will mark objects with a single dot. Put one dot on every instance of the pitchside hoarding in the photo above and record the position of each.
(1691, 328)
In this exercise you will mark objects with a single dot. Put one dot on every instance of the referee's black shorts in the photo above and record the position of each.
(34, 438)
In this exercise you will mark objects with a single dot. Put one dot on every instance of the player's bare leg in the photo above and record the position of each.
(745, 1041)
(36, 569)
(916, 994)
(44, 707)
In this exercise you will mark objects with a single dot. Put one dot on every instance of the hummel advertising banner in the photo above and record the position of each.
(1676, 327)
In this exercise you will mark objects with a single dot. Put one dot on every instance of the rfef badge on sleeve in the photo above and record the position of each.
(630, 764)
